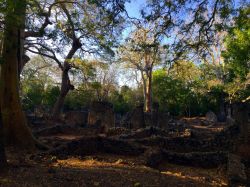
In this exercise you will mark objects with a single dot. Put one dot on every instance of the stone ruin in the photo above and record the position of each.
(241, 114)
(101, 114)
(236, 171)
(135, 118)
(211, 117)
(39, 111)
(152, 119)
(76, 118)
(175, 141)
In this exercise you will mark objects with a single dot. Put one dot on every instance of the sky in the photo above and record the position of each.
(133, 8)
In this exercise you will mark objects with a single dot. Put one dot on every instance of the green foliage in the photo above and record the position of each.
(237, 54)
(186, 89)
(79, 98)
(183, 92)
(237, 57)
(170, 93)
(34, 92)
(121, 106)
(50, 95)
(36, 85)
(125, 100)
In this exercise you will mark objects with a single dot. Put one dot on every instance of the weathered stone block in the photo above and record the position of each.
(236, 171)
(76, 118)
(210, 116)
(101, 113)
(135, 118)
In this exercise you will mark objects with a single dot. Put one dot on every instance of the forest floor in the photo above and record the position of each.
(104, 170)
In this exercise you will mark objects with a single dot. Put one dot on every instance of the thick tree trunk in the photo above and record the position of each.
(3, 160)
(65, 88)
(22, 58)
(16, 131)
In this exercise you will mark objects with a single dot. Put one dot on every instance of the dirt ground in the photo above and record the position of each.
(104, 170)
(107, 171)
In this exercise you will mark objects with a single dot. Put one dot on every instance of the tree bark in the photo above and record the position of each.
(65, 88)
(15, 129)
(144, 84)
(3, 161)
(148, 104)
(22, 58)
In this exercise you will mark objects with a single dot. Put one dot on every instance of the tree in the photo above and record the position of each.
(190, 27)
(15, 127)
(178, 90)
(34, 80)
(142, 52)
(237, 58)
(237, 44)
(83, 26)
(3, 160)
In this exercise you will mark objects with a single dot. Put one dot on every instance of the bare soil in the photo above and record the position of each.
(104, 170)
(107, 171)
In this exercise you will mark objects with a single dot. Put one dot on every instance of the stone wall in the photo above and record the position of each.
(241, 115)
(76, 118)
(163, 120)
(101, 114)
(152, 119)
(236, 171)
(135, 119)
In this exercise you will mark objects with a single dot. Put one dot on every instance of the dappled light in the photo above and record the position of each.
(130, 93)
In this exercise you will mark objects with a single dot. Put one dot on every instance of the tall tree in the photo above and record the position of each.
(190, 26)
(237, 57)
(2, 150)
(238, 45)
(142, 52)
(3, 160)
(77, 28)
(15, 127)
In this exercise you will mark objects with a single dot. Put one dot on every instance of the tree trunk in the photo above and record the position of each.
(3, 161)
(22, 58)
(16, 131)
(144, 84)
(65, 88)
(148, 103)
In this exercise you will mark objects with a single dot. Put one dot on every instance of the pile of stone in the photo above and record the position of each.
(117, 131)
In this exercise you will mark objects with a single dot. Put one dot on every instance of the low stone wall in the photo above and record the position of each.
(199, 159)
(90, 145)
(161, 138)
